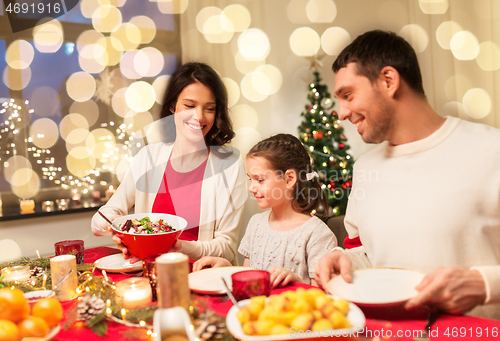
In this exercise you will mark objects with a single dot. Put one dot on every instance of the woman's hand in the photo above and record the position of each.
(120, 245)
(214, 262)
(177, 246)
(281, 277)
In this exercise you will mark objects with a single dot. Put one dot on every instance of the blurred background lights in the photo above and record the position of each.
(80, 166)
(138, 121)
(244, 65)
(233, 91)
(239, 16)
(445, 32)
(416, 36)
(44, 133)
(93, 58)
(334, 40)
(16, 79)
(146, 26)
(48, 37)
(245, 139)
(464, 45)
(106, 18)
(488, 57)
(248, 89)
(273, 75)
(455, 109)
(434, 6)
(140, 96)
(253, 44)
(173, 6)
(127, 37)
(321, 11)
(304, 41)
(206, 14)
(477, 103)
(80, 86)
(261, 83)
(456, 86)
(69, 48)
(77, 136)
(46, 100)
(160, 85)
(88, 7)
(127, 65)
(88, 143)
(21, 176)
(19, 54)
(14, 163)
(296, 11)
(71, 122)
(148, 62)
(244, 115)
(118, 102)
(80, 152)
(30, 188)
(88, 109)
(86, 38)
(218, 29)
(114, 54)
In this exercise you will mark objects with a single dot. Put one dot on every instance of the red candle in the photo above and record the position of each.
(251, 283)
(70, 247)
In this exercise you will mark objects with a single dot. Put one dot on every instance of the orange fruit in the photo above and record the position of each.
(13, 305)
(50, 309)
(33, 327)
(8, 331)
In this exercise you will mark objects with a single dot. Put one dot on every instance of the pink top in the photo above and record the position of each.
(180, 194)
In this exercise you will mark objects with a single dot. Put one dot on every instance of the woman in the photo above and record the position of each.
(192, 174)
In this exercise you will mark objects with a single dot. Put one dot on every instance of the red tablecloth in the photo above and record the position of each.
(447, 328)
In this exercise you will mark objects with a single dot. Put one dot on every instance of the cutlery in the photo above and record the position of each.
(228, 292)
(54, 288)
(109, 221)
(433, 317)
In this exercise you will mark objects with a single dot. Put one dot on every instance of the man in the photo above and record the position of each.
(428, 197)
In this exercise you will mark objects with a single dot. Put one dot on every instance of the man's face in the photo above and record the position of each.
(364, 104)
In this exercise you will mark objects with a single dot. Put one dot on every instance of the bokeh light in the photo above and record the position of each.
(173, 6)
(77, 136)
(445, 32)
(97, 60)
(127, 65)
(248, 86)
(160, 85)
(253, 44)
(140, 96)
(80, 166)
(13, 164)
(219, 29)
(80, 86)
(304, 41)
(16, 79)
(122, 168)
(46, 101)
(204, 15)
(456, 86)
(239, 16)
(127, 37)
(106, 18)
(245, 139)
(138, 121)
(19, 54)
(104, 141)
(296, 11)
(416, 36)
(488, 57)
(71, 122)
(477, 103)
(243, 116)
(30, 188)
(455, 109)
(87, 7)
(48, 37)
(88, 145)
(118, 102)
(233, 91)
(321, 11)
(44, 133)
(464, 45)
(334, 40)
(148, 62)
(244, 65)
(146, 26)
(273, 74)
(433, 6)
(88, 37)
(21, 177)
(88, 109)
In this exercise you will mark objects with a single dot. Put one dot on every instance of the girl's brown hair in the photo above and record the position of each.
(284, 152)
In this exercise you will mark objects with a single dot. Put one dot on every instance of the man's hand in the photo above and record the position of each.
(331, 263)
(453, 290)
(214, 262)
(281, 277)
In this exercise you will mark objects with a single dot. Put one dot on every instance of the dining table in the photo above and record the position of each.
(446, 328)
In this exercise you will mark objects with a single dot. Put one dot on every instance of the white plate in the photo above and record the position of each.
(355, 317)
(208, 281)
(116, 263)
(34, 296)
(377, 286)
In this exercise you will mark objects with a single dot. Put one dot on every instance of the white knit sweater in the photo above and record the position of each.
(432, 203)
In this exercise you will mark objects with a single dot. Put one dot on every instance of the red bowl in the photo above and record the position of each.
(150, 245)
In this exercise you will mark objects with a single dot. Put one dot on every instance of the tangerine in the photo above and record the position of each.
(50, 309)
(13, 305)
(8, 331)
(33, 327)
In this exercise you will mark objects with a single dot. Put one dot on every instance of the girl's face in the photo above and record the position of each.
(267, 185)
(194, 112)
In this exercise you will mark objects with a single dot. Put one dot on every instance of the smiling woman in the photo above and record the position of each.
(191, 173)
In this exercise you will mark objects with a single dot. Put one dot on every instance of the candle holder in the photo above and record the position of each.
(109, 192)
(18, 273)
(48, 206)
(149, 271)
(62, 204)
(71, 247)
(60, 267)
(134, 292)
(27, 206)
(173, 289)
(96, 197)
(251, 283)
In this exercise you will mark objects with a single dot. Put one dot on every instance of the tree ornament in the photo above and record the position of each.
(89, 307)
(326, 103)
(317, 134)
(335, 145)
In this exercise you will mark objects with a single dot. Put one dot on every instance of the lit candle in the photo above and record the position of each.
(109, 192)
(27, 206)
(44, 281)
(172, 280)
(76, 197)
(96, 196)
(48, 206)
(124, 314)
(134, 292)
(19, 273)
(59, 267)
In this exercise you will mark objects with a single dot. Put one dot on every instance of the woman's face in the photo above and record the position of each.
(194, 112)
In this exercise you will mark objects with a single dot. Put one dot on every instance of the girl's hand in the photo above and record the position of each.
(281, 277)
(214, 262)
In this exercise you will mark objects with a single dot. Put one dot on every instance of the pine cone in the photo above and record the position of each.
(89, 307)
(36, 271)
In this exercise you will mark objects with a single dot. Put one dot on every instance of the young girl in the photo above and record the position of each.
(286, 240)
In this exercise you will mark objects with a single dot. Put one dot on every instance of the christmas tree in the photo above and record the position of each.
(321, 132)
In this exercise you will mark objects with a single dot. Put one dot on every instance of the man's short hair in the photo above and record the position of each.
(374, 50)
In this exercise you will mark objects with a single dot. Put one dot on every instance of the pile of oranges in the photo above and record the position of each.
(18, 320)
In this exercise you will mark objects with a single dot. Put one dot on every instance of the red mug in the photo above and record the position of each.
(251, 283)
